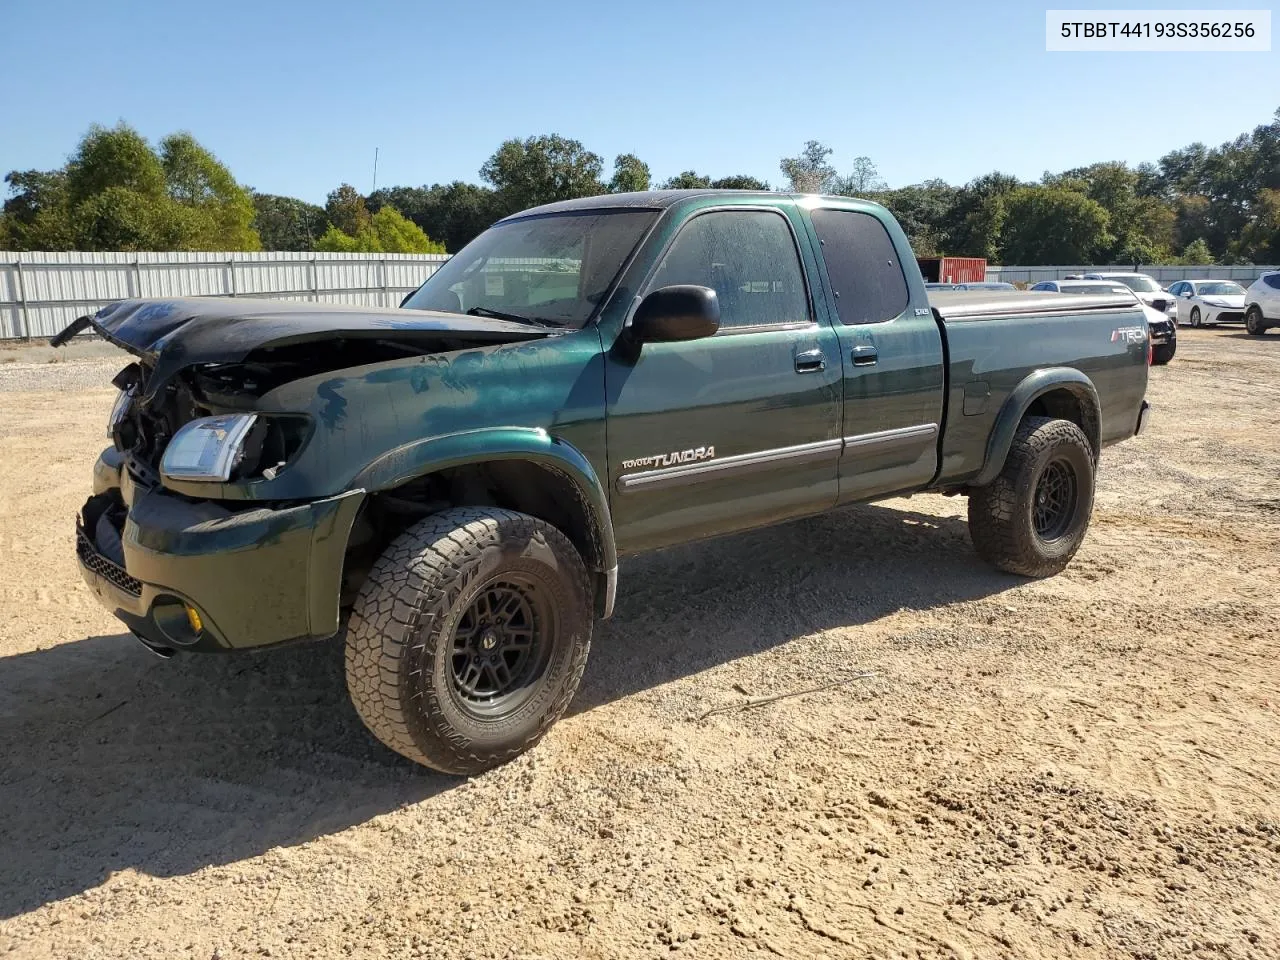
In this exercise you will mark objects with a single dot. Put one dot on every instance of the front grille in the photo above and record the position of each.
(103, 567)
(1228, 316)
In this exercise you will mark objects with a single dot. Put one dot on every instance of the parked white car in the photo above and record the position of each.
(1148, 290)
(1262, 303)
(1207, 302)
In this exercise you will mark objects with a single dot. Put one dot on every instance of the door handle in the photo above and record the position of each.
(865, 354)
(811, 361)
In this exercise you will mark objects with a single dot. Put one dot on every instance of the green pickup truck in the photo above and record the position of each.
(452, 483)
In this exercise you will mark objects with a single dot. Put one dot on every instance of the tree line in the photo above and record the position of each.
(1198, 204)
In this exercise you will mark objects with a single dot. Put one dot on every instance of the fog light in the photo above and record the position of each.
(193, 618)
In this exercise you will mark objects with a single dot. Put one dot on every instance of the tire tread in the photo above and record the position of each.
(403, 587)
(993, 509)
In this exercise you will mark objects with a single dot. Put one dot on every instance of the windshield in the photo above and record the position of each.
(1139, 284)
(1223, 289)
(554, 269)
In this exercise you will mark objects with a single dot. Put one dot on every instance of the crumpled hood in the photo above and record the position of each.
(1230, 300)
(173, 334)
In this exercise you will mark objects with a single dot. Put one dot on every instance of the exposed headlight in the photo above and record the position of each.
(118, 410)
(208, 448)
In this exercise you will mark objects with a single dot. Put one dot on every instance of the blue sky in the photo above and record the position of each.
(294, 96)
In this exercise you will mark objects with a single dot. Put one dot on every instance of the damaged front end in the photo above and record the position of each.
(183, 538)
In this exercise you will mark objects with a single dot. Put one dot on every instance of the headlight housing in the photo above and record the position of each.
(207, 449)
(119, 410)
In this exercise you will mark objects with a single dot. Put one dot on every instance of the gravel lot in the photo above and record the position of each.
(1079, 767)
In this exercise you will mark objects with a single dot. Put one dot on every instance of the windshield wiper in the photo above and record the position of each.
(514, 317)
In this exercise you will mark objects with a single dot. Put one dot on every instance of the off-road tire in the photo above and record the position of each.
(1162, 354)
(1002, 516)
(400, 639)
(1254, 322)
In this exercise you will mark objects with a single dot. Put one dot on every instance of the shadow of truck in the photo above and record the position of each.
(113, 759)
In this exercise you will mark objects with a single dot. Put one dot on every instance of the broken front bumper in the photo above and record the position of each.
(253, 578)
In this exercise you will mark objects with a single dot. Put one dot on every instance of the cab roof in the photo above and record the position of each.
(647, 200)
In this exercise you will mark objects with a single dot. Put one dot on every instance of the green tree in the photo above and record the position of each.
(688, 180)
(974, 223)
(219, 213)
(397, 234)
(1197, 253)
(1052, 225)
(921, 210)
(630, 174)
(117, 193)
(118, 196)
(347, 211)
(385, 232)
(334, 240)
(739, 181)
(286, 223)
(117, 218)
(454, 213)
(862, 180)
(1260, 241)
(809, 172)
(1142, 225)
(37, 215)
(114, 157)
(526, 173)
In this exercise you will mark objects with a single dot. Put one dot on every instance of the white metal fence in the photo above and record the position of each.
(1166, 275)
(40, 293)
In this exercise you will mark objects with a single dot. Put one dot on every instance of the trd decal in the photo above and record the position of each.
(674, 458)
(1129, 335)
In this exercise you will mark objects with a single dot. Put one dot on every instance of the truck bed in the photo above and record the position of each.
(994, 341)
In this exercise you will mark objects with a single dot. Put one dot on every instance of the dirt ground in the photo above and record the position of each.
(1080, 767)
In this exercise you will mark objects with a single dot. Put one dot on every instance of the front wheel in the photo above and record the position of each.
(1195, 316)
(1033, 517)
(469, 638)
(1163, 353)
(1254, 322)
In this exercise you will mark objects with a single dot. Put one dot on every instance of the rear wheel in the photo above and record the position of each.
(1195, 316)
(1254, 322)
(1032, 519)
(469, 638)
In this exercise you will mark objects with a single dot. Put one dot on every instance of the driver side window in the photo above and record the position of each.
(749, 258)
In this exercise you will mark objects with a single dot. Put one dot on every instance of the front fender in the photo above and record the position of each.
(533, 444)
(1032, 387)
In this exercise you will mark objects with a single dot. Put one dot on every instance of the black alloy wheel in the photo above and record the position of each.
(1055, 500)
(500, 645)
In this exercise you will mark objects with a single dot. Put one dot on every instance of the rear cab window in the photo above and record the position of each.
(866, 276)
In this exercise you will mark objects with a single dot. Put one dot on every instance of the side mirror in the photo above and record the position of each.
(680, 312)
